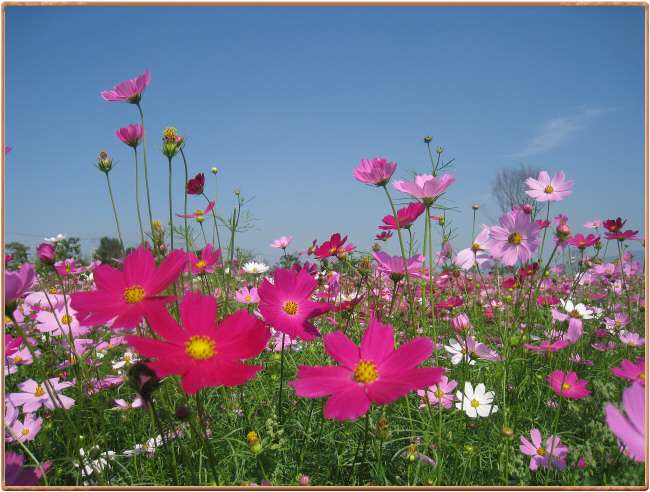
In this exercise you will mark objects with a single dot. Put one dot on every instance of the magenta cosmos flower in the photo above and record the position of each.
(406, 216)
(17, 283)
(15, 476)
(631, 430)
(285, 303)
(581, 242)
(130, 91)
(516, 239)
(34, 395)
(207, 261)
(568, 385)
(544, 188)
(282, 243)
(542, 455)
(130, 135)
(202, 354)
(631, 371)
(198, 212)
(130, 294)
(376, 172)
(374, 372)
(426, 187)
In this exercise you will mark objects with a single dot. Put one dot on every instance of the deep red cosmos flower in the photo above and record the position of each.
(406, 216)
(614, 225)
(622, 236)
(195, 185)
(333, 247)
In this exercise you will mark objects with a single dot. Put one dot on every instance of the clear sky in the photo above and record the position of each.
(286, 100)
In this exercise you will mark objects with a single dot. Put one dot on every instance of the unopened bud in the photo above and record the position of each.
(94, 453)
(563, 231)
(475, 206)
(182, 412)
(427, 139)
(382, 429)
(507, 432)
(376, 248)
(441, 220)
(439, 150)
(469, 448)
(460, 323)
(215, 170)
(304, 480)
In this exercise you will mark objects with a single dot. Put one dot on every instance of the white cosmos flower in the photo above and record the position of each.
(254, 267)
(476, 403)
(580, 309)
(56, 239)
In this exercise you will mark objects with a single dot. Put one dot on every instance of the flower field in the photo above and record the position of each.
(185, 363)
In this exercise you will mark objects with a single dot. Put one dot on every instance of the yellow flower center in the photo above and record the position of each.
(157, 225)
(247, 298)
(254, 270)
(575, 314)
(252, 438)
(290, 308)
(282, 244)
(365, 372)
(476, 247)
(7, 319)
(73, 360)
(110, 345)
(515, 238)
(17, 359)
(200, 264)
(128, 405)
(475, 403)
(66, 320)
(127, 358)
(439, 394)
(631, 342)
(133, 295)
(200, 347)
(25, 432)
(170, 134)
(617, 323)
(332, 251)
(566, 386)
(541, 451)
(145, 446)
(52, 290)
(548, 189)
(39, 391)
(641, 375)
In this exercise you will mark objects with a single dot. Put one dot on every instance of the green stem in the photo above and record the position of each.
(146, 178)
(115, 212)
(137, 199)
(171, 226)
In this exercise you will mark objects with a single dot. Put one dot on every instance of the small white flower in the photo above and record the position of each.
(128, 358)
(579, 309)
(56, 239)
(149, 447)
(476, 403)
(255, 267)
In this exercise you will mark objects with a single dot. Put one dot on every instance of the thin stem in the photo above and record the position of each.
(171, 226)
(146, 179)
(137, 199)
(115, 212)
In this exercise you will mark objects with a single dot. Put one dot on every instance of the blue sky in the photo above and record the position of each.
(286, 101)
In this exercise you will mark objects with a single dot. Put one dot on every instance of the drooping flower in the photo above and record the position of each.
(426, 187)
(516, 239)
(131, 135)
(622, 236)
(543, 188)
(384, 236)
(333, 247)
(476, 254)
(542, 455)
(196, 184)
(285, 303)
(207, 263)
(129, 294)
(282, 243)
(629, 370)
(568, 385)
(406, 216)
(15, 476)
(130, 90)
(476, 403)
(375, 172)
(17, 283)
(631, 430)
(202, 354)
(34, 395)
(198, 212)
(374, 372)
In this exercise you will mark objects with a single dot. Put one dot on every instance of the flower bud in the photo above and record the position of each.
(237, 192)
(215, 170)
(46, 253)
(441, 220)
(200, 218)
(304, 480)
(439, 150)
(342, 255)
(376, 248)
(507, 432)
(254, 442)
(94, 453)
(469, 448)
(182, 413)
(563, 231)
(475, 206)
(427, 139)
(460, 323)
(277, 356)
(472, 425)
(382, 429)
(528, 209)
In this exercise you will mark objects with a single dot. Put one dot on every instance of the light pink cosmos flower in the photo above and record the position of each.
(130, 90)
(543, 188)
(247, 296)
(393, 266)
(17, 283)
(439, 393)
(632, 339)
(35, 394)
(124, 405)
(374, 372)
(26, 431)
(282, 243)
(476, 254)
(516, 239)
(632, 371)
(66, 317)
(542, 455)
(376, 172)
(426, 187)
(593, 225)
(630, 430)
(560, 219)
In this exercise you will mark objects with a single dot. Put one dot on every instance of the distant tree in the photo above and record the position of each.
(20, 252)
(70, 248)
(287, 261)
(109, 247)
(509, 187)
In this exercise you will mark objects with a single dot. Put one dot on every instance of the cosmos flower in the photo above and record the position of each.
(374, 372)
(130, 91)
(198, 212)
(384, 236)
(15, 476)
(254, 267)
(476, 403)
(26, 431)
(632, 339)
(393, 266)
(441, 393)
(406, 216)
(630, 430)
(614, 225)
(282, 243)
(34, 395)
(593, 225)
(196, 184)
(581, 242)
(476, 254)
(56, 239)
(568, 385)
(543, 188)
(207, 263)
(375, 172)
(629, 370)
(204, 355)
(131, 135)
(542, 455)
(333, 247)
(17, 283)
(247, 296)
(575, 315)
(426, 187)
(516, 239)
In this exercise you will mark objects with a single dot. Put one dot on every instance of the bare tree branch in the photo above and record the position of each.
(509, 187)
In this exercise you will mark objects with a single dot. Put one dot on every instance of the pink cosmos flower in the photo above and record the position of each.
(547, 346)
(631, 371)
(26, 431)
(282, 243)
(441, 393)
(542, 455)
(560, 219)
(620, 320)
(312, 248)
(543, 188)
(202, 354)
(516, 239)
(130, 294)
(384, 236)
(426, 187)
(36, 395)
(575, 315)
(630, 430)
(622, 236)
(406, 216)
(374, 372)
(375, 172)
(15, 476)
(604, 347)
(247, 296)
(8, 149)
(543, 224)
(285, 303)
(124, 405)
(569, 385)
(130, 91)
(207, 263)
(17, 283)
(581, 242)
(393, 266)
(130, 135)
(476, 254)
(593, 225)
(333, 247)
(198, 212)
(632, 339)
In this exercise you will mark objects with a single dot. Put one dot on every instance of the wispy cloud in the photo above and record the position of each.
(557, 132)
